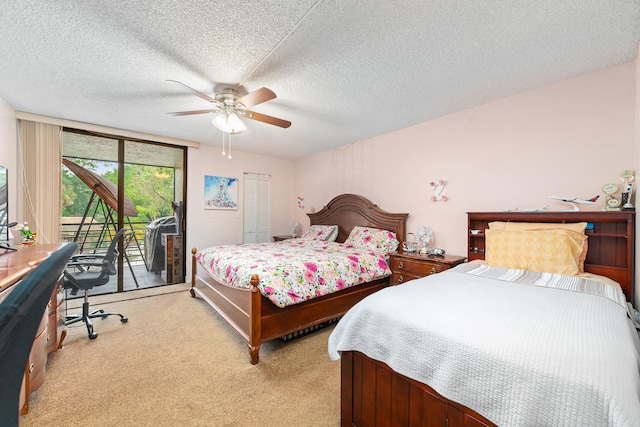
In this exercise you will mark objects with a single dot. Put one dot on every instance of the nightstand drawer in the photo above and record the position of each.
(419, 268)
(398, 278)
(405, 267)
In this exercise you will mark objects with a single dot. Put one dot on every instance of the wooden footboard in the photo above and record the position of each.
(373, 394)
(258, 320)
(240, 307)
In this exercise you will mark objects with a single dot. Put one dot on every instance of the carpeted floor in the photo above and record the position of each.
(177, 363)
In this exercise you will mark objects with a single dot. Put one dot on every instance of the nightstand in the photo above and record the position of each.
(406, 266)
(281, 238)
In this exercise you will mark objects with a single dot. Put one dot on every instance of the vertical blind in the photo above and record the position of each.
(40, 148)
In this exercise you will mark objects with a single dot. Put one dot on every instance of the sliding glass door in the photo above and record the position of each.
(111, 183)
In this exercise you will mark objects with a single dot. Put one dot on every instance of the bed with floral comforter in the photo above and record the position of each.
(295, 270)
(289, 287)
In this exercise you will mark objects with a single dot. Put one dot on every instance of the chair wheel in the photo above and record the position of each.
(93, 335)
(124, 320)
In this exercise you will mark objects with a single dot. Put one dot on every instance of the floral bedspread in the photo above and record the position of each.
(294, 270)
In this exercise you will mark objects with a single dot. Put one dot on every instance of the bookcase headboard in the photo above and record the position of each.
(611, 241)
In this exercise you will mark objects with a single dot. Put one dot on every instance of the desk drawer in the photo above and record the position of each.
(56, 329)
(38, 360)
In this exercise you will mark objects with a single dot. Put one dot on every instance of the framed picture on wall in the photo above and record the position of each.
(220, 192)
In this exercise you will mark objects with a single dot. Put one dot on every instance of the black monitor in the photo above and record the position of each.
(4, 206)
(4, 211)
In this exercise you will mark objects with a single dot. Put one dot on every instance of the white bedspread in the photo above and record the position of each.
(520, 355)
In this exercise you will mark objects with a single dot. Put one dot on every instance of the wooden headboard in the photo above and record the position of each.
(348, 210)
(611, 240)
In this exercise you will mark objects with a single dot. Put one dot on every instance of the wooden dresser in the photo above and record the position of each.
(407, 266)
(51, 332)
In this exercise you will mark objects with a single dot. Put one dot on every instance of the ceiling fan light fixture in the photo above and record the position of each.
(229, 122)
(235, 123)
(220, 121)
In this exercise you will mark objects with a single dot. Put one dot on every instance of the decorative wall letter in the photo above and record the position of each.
(439, 194)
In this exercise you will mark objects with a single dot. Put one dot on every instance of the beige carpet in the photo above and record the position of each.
(177, 363)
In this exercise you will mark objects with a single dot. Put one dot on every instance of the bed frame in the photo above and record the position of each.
(258, 320)
(374, 394)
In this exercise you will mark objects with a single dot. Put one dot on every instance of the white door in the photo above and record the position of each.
(257, 208)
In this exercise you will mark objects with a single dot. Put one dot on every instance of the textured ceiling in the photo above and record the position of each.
(343, 70)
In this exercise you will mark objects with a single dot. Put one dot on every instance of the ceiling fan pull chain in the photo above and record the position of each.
(223, 153)
(229, 147)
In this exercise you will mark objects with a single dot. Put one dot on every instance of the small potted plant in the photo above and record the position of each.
(28, 237)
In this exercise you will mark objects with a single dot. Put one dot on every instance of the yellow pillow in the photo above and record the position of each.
(578, 227)
(552, 251)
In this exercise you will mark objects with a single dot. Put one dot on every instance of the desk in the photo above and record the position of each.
(14, 265)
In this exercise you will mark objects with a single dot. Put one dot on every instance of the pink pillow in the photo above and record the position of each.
(373, 239)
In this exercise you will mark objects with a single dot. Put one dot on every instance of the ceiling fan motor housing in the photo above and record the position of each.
(229, 97)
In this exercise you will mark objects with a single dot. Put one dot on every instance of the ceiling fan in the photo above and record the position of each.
(231, 107)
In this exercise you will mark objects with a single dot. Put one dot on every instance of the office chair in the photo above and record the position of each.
(20, 314)
(86, 271)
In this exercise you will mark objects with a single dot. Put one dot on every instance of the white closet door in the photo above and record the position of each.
(257, 208)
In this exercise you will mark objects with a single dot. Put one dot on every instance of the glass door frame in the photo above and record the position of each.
(121, 190)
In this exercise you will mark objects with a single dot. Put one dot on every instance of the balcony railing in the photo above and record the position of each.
(94, 237)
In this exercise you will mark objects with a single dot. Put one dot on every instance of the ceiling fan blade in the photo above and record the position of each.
(188, 113)
(266, 119)
(257, 97)
(198, 93)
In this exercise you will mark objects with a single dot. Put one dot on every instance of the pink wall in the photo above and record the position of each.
(226, 227)
(566, 139)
